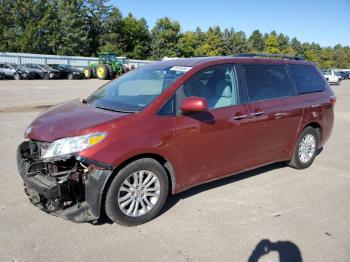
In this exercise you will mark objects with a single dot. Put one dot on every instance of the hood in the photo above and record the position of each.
(72, 118)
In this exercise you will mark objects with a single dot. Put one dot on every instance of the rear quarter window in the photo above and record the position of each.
(307, 79)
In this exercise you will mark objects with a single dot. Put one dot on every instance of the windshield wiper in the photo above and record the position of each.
(114, 110)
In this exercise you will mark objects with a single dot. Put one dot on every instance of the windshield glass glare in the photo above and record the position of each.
(45, 67)
(136, 89)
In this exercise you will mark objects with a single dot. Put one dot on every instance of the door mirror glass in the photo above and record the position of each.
(194, 104)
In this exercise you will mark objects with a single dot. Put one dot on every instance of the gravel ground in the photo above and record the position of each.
(274, 212)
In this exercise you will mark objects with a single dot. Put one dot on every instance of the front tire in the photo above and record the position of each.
(102, 72)
(306, 149)
(137, 193)
(46, 76)
(17, 77)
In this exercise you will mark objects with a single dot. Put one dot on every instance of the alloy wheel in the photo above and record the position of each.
(307, 148)
(139, 193)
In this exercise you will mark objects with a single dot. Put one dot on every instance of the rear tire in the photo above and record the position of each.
(306, 149)
(111, 72)
(143, 180)
(88, 73)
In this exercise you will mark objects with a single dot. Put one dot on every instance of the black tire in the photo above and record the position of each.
(88, 72)
(111, 72)
(296, 162)
(46, 76)
(17, 77)
(112, 208)
(94, 75)
(102, 72)
(338, 82)
(70, 76)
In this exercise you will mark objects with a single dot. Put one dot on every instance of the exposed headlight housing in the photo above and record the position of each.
(72, 145)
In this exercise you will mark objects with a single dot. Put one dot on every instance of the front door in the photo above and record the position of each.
(214, 143)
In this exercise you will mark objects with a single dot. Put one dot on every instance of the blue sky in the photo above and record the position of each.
(326, 22)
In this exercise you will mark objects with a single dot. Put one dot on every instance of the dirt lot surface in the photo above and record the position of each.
(271, 212)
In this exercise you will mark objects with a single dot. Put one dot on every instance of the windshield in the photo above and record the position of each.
(136, 89)
(45, 67)
(68, 67)
(14, 66)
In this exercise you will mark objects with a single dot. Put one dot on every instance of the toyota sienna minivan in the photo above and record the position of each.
(171, 125)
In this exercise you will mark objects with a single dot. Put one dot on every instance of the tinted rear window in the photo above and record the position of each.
(307, 79)
(266, 82)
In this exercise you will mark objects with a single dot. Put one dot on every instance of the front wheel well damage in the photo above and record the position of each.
(160, 159)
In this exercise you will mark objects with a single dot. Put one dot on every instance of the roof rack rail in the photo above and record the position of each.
(271, 55)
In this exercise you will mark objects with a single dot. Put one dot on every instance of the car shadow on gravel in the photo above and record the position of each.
(173, 199)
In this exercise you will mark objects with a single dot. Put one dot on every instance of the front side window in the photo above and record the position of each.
(266, 82)
(307, 79)
(218, 85)
(136, 89)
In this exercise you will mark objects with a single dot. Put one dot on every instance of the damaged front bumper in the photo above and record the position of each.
(70, 187)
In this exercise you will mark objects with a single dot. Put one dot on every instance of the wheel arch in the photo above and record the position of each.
(160, 159)
(312, 124)
(317, 127)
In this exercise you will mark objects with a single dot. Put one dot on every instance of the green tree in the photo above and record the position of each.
(256, 42)
(296, 46)
(72, 36)
(135, 37)
(31, 26)
(234, 42)
(341, 56)
(271, 43)
(165, 36)
(283, 43)
(188, 44)
(8, 29)
(110, 36)
(212, 43)
(97, 13)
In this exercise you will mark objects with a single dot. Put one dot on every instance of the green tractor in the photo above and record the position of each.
(108, 66)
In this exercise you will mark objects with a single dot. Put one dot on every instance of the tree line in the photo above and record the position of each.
(86, 27)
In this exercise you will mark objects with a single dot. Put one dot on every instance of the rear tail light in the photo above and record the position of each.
(333, 100)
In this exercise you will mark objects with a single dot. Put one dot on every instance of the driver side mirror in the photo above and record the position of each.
(194, 104)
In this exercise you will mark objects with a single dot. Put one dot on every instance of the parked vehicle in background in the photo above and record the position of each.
(169, 126)
(347, 74)
(15, 71)
(68, 71)
(340, 74)
(109, 66)
(331, 77)
(43, 71)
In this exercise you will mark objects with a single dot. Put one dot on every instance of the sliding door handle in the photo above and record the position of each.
(239, 117)
(258, 113)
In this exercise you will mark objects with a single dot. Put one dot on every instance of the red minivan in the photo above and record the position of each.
(169, 126)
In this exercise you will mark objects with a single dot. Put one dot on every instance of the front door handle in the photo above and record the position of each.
(258, 113)
(239, 117)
